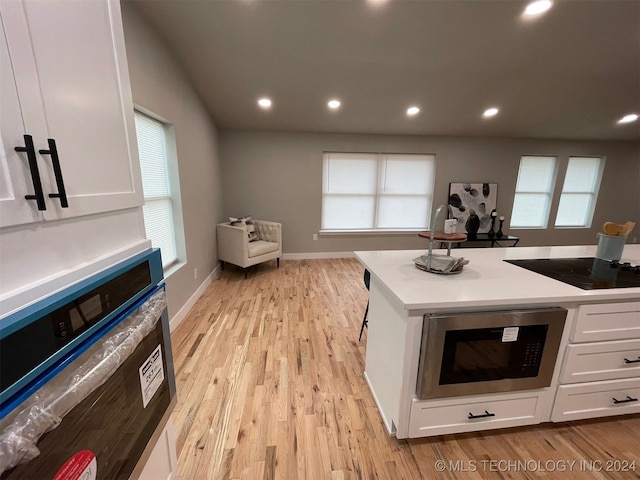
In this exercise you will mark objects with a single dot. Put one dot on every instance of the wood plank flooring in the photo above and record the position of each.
(270, 386)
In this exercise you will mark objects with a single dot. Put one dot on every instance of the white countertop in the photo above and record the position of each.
(487, 280)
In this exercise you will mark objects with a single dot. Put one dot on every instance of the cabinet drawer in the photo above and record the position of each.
(443, 417)
(588, 362)
(596, 399)
(602, 322)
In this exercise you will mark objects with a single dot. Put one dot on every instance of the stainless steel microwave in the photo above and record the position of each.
(488, 352)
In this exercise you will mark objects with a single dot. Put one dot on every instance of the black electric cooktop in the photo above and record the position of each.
(586, 273)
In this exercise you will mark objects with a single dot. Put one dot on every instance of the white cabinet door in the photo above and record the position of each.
(607, 321)
(596, 399)
(163, 461)
(481, 412)
(73, 84)
(15, 175)
(588, 362)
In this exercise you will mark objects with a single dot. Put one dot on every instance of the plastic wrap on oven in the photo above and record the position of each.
(44, 410)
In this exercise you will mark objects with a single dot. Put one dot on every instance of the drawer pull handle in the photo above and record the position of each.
(626, 400)
(626, 360)
(483, 415)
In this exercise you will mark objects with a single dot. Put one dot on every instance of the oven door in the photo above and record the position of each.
(489, 352)
(95, 411)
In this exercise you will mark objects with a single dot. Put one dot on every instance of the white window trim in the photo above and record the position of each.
(381, 163)
(593, 194)
(174, 191)
(364, 232)
(548, 194)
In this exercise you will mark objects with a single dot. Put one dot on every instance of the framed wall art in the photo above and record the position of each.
(471, 204)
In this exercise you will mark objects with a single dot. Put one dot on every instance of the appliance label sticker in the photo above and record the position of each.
(151, 376)
(81, 466)
(510, 334)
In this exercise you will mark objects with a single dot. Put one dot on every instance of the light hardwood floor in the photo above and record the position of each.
(270, 385)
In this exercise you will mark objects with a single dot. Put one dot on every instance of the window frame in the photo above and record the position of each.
(377, 196)
(593, 194)
(547, 194)
(173, 197)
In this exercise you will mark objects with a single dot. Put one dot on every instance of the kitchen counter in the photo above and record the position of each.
(487, 281)
(401, 294)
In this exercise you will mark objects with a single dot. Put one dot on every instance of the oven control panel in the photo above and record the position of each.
(50, 333)
(87, 310)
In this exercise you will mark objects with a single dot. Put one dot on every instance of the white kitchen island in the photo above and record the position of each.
(602, 326)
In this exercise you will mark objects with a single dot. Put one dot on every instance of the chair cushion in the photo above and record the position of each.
(260, 247)
(246, 223)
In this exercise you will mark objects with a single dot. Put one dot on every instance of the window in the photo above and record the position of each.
(158, 207)
(369, 191)
(534, 189)
(579, 192)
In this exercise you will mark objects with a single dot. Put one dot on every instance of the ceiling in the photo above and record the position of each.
(571, 73)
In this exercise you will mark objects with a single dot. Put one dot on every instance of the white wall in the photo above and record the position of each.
(159, 84)
(277, 176)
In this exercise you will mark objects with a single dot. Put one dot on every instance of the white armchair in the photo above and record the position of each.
(234, 245)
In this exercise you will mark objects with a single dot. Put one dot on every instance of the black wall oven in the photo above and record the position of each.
(489, 352)
(87, 378)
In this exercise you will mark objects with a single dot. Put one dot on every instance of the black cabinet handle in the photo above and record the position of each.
(626, 400)
(35, 173)
(626, 360)
(62, 193)
(483, 415)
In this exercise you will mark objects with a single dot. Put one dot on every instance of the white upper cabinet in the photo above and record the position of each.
(15, 176)
(65, 83)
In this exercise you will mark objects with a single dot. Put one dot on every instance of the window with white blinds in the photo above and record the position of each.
(158, 207)
(534, 190)
(579, 192)
(377, 192)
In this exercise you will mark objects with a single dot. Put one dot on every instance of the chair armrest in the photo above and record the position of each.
(233, 244)
(269, 231)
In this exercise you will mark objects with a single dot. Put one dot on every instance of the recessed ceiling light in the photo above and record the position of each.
(490, 112)
(632, 117)
(264, 102)
(538, 7)
(333, 104)
(413, 111)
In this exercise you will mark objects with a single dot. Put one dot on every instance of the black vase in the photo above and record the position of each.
(492, 233)
(472, 225)
(500, 234)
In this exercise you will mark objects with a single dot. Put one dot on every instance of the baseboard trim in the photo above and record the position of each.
(313, 255)
(186, 308)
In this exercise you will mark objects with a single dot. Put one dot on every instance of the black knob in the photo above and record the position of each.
(636, 269)
(626, 266)
(614, 263)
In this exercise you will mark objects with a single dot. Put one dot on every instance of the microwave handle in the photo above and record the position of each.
(486, 414)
